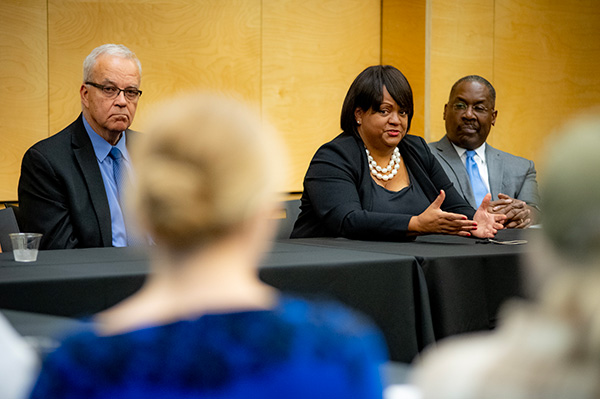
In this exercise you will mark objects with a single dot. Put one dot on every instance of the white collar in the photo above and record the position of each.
(480, 151)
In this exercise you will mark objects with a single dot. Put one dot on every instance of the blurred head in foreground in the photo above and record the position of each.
(549, 348)
(207, 168)
(204, 324)
(572, 193)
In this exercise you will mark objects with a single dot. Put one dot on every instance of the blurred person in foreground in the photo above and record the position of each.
(70, 183)
(475, 167)
(549, 347)
(19, 362)
(204, 325)
(375, 181)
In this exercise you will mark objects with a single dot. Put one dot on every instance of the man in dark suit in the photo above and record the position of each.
(69, 188)
(477, 168)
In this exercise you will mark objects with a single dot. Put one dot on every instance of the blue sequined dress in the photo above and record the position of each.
(299, 349)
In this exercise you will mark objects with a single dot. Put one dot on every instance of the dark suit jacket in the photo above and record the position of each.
(508, 174)
(338, 192)
(61, 192)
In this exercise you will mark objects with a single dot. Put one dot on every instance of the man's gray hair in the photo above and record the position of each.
(107, 49)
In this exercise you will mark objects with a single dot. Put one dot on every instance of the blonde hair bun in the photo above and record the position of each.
(205, 165)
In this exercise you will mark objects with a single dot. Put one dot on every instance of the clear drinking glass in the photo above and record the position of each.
(25, 246)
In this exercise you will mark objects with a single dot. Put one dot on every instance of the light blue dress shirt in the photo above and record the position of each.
(102, 149)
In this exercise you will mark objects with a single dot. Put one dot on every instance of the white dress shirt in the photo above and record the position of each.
(479, 160)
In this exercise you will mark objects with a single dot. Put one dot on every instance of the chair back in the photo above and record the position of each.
(286, 224)
(15, 207)
(8, 224)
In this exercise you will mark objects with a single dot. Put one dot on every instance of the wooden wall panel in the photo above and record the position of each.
(312, 51)
(296, 60)
(23, 86)
(541, 55)
(182, 44)
(403, 46)
(460, 42)
(547, 64)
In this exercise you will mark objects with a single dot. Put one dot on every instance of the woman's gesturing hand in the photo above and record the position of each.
(488, 224)
(435, 221)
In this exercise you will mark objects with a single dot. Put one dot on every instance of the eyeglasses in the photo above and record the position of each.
(477, 108)
(109, 91)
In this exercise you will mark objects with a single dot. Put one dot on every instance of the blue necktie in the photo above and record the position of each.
(121, 179)
(120, 175)
(479, 188)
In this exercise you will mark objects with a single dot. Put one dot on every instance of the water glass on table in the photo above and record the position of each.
(25, 246)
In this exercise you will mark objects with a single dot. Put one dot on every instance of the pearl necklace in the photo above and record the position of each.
(382, 173)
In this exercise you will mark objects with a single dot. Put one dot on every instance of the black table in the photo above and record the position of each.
(442, 284)
(389, 288)
(467, 279)
(71, 283)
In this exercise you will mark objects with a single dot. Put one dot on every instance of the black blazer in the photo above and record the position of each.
(61, 191)
(338, 192)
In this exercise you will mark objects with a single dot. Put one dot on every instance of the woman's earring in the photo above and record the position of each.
(358, 122)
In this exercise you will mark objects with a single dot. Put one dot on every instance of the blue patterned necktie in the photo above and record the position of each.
(477, 184)
(121, 179)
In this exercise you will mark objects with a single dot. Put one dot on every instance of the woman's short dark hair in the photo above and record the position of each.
(366, 92)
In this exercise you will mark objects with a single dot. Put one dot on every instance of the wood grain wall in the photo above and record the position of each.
(546, 69)
(23, 86)
(542, 56)
(403, 44)
(295, 60)
(292, 59)
(311, 52)
(460, 42)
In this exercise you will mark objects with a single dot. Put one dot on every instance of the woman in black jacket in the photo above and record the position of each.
(376, 182)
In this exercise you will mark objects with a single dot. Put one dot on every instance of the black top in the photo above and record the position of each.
(340, 198)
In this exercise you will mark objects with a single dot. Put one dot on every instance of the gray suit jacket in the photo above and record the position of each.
(508, 174)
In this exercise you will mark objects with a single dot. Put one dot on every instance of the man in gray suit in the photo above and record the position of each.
(475, 167)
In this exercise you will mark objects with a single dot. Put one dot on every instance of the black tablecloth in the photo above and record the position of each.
(72, 283)
(389, 288)
(467, 279)
(442, 284)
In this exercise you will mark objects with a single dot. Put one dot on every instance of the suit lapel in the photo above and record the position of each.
(86, 158)
(449, 155)
(495, 170)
